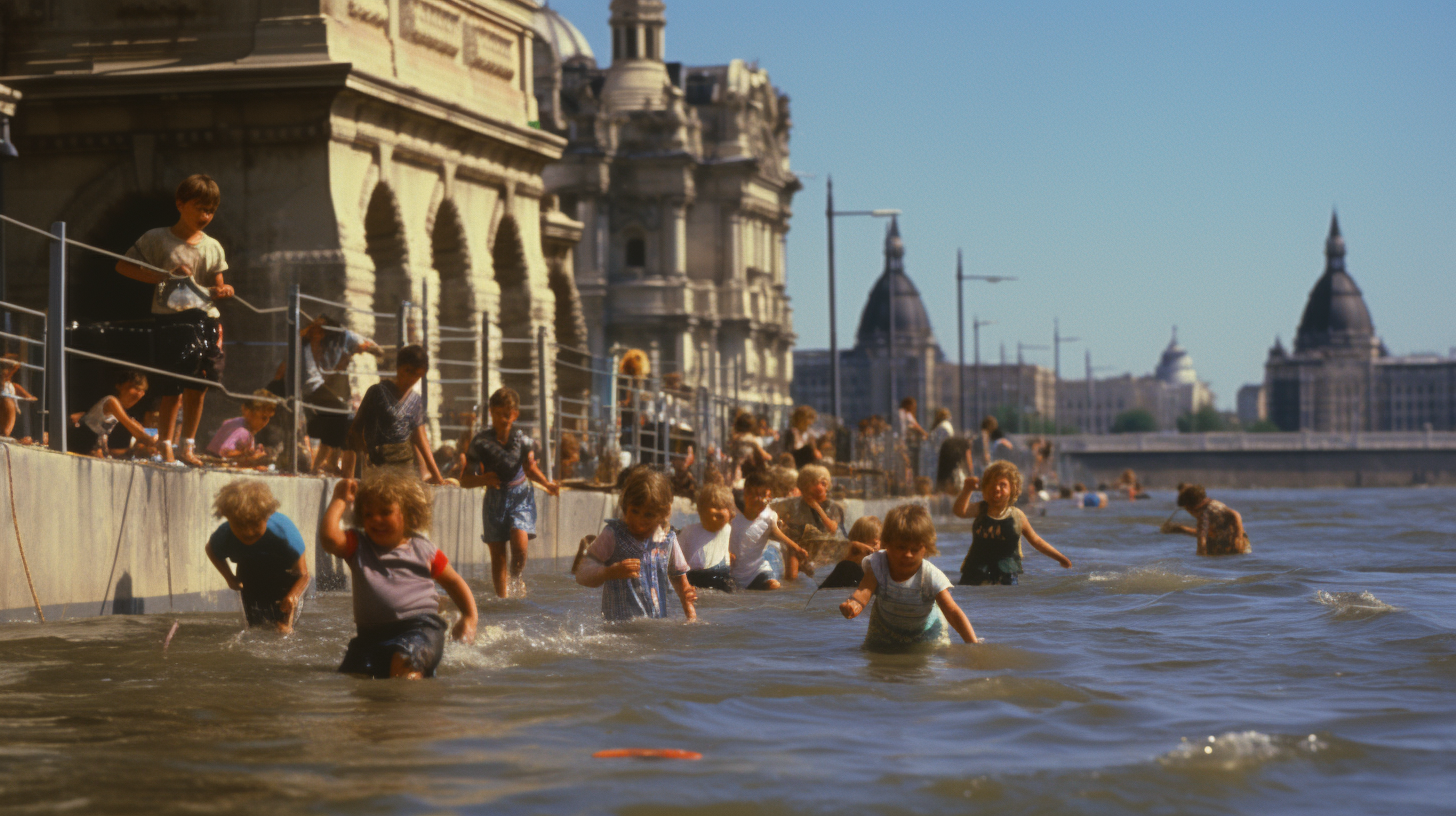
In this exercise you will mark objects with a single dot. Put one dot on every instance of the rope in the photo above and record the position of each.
(15, 519)
(120, 531)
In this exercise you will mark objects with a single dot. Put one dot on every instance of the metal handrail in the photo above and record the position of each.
(13, 307)
(207, 383)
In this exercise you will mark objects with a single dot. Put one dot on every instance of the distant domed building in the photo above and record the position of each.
(1340, 377)
(1173, 390)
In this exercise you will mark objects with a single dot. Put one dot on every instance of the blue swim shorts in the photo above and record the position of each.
(506, 509)
(421, 639)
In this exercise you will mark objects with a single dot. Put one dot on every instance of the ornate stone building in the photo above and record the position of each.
(1339, 376)
(373, 151)
(681, 177)
(1092, 405)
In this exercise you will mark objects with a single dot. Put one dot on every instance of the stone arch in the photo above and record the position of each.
(571, 335)
(384, 242)
(517, 358)
(455, 309)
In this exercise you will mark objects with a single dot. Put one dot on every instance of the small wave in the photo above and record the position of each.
(1353, 605)
(1234, 751)
(1147, 580)
(499, 646)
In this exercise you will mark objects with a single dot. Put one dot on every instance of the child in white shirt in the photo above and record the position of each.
(706, 544)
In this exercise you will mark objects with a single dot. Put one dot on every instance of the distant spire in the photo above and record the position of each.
(1334, 245)
(894, 248)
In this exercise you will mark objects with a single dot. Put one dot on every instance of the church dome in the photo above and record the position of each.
(1176, 365)
(912, 323)
(565, 40)
(1335, 315)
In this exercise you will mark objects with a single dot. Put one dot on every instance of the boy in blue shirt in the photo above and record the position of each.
(268, 549)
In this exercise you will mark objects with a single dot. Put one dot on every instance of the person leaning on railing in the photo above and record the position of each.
(327, 349)
(185, 297)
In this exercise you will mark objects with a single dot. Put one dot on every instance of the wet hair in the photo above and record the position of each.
(783, 480)
(245, 500)
(130, 376)
(1000, 470)
(1191, 496)
(414, 356)
(811, 475)
(200, 188)
(395, 487)
(264, 402)
(717, 496)
(756, 479)
(989, 424)
(909, 404)
(865, 529)
(941, 415)
(803, 416)
(506, 398)
(909, 524)
(650, 490)
(745, 423)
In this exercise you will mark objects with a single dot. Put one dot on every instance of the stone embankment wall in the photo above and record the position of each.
(105, 537)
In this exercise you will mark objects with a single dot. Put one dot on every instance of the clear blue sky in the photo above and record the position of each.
(1136, 165)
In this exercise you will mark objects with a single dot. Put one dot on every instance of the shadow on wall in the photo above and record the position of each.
(123, 602)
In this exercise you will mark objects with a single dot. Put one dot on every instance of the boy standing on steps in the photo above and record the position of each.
(186, 297)
(508, 466)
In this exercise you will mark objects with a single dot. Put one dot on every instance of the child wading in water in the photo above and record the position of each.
(864, 539)
(912, 596)
(637, 557)
(753, 531)
(705, 544)
(268, 549)
(393, 570)
(390, 427)
(811, 519)
(996, 533)
(1220, 529)
(504, 455)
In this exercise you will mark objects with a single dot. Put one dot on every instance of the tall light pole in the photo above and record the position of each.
(1057, 341)
(961, 333)
(976, 324)
(829, 215)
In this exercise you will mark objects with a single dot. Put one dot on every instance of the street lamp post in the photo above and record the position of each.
(976, 324)
(1057, 341)
(961, 333)
(829, 215)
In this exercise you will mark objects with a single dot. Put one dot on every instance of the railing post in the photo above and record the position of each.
(293, 386)
(543, 398)
(402, 318)
(484, 362)
(57, 417)
(425, 341)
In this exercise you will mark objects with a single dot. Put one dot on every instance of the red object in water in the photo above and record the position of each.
(646, 753)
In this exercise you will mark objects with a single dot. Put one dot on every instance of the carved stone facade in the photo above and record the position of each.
(372, 151)
(681, 177)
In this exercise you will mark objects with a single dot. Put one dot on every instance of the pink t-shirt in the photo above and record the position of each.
(234, 435)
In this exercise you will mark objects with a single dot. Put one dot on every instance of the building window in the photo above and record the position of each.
(636, 252)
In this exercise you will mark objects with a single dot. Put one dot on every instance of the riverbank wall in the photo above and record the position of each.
(104, 537)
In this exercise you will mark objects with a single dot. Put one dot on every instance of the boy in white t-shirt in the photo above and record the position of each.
(706, 544)
(752, 532)
(184, 298)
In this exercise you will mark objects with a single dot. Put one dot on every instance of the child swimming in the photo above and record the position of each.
(636, 557)
(705, 544)
(268, 549)
(393, 570)
(912, 596)
(753, 530)
(999, 526)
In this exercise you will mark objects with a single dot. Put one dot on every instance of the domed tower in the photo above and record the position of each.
(1176, 365)
(1335, 320)
(638, 76)
(911, 323)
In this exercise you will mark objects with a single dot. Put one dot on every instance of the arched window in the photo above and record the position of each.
(636, 252)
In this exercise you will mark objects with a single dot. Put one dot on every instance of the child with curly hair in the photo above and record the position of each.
(999, 526)
(393, 570)
(268, 549)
